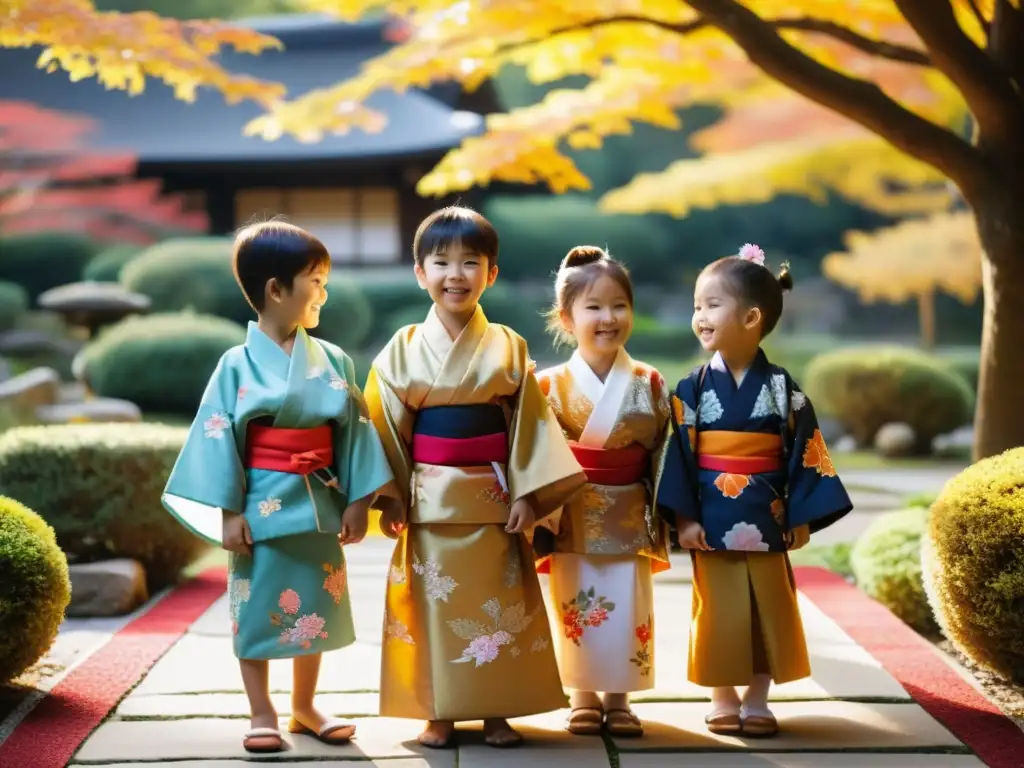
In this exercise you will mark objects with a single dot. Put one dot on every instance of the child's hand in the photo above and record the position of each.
(798, 537)
(236, 535)
(521, 517)
(691, 535)
(392, 516)
(354, 521)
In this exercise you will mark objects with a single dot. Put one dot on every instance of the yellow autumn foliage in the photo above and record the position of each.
(912, 259)
(122, 49)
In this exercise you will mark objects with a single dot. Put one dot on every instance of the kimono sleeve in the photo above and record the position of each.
(676, 495)
(208, 475)
(392, 421)
(359, 459)
(816, 495)
(540, 460)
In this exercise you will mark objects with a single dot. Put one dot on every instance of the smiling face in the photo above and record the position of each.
(456, 278)
(720, 321)
(300, 304)
(601, 317)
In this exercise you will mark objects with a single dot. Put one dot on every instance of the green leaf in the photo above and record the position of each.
(609, 606)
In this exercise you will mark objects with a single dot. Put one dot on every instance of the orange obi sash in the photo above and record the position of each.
(612, 466)
(740, 453)
(296, 451)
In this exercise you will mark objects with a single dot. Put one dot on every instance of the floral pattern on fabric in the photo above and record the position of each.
(337, 382)
(745, 537)
(269, 507)
(816, 456)
(711, 409)
(764, 406)
(396, 575)
(396, 630)
(642, 658)
(684, 415)
(336, 582)
(486, 642)
(731, 485)
(778, 385)
(438, 587)
(778, 510)
(214, 426)
(297, 630)
(798, 401)
(239, 593)
(587, 609)
(496, 494)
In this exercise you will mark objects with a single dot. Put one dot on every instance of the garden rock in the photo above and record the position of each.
(5, 370)
(101, 409)
(92, 304)
(895, 439)
(845, 444)
(30, 342)
(107, 588)
(30, 390)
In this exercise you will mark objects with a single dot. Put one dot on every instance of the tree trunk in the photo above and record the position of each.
(999, 418)
(926, 318)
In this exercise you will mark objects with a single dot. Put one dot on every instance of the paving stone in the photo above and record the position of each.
(237, 705)
(804, 726)
(434, 760)
(219, 739)
(805, 760)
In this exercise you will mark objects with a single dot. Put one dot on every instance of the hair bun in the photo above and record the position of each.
(583, 254)
(785, 278)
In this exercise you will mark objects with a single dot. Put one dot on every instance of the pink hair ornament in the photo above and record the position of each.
(751, 252)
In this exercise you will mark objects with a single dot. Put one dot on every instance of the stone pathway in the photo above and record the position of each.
(190, 709)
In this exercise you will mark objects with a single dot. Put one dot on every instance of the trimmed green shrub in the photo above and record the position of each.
(43, 261)
(973, 560)
(866, 387)
(965, 362)
(106, 266)
(347, 317)
(99, 486)
(388, 296)
(13, 304)
(662, 341)
(503, 304)
(886, 563)
(834, 557)
(161, 362)
(34, 588)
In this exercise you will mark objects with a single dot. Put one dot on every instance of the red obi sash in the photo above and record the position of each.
(739, 453)
(460, 451)
(296, 451)
(612, 466)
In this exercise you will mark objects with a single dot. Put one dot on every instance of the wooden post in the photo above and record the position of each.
(926, 318)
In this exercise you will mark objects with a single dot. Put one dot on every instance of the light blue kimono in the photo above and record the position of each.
(290, 597)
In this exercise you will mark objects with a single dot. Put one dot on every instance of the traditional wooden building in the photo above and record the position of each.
(357, 191)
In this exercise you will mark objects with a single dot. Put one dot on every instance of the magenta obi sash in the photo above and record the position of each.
(460, 436)
(612, 466)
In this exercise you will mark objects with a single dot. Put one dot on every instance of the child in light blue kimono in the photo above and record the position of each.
(280, 467)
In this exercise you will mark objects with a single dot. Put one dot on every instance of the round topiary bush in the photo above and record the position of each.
(974, 563)
(161, 362)
(866, 387)
(347, 317)
(107, 265)
(13, 304)
(42, 261)
(886, 564)
(99, 486)
(34, 588)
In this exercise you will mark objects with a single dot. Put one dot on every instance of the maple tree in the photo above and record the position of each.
(51, 181)
(870, 98)
(913, 260)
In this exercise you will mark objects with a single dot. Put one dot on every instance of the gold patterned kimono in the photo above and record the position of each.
(606, 543)
(465, 635)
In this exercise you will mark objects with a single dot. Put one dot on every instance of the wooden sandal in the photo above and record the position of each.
(623, 722)
(333, 732)
(724, 722)
(262, 734)
(585, 721)
(758, 723)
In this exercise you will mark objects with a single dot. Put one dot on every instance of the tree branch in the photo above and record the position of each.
(976, 10)
(1006, 41)
(986, 87)
(879, 48)
(857, 99)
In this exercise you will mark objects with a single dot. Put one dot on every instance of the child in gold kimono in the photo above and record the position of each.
(477, 459)
(747, 477)
(606, 543)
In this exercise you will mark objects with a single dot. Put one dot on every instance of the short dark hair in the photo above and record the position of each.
(274, 250)
(455, 224)
(755, 285)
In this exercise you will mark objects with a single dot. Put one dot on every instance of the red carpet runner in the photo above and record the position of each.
(52, 732)
(912, 660)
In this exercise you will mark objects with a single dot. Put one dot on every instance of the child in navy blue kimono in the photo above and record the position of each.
(747, 477)
(280, 467)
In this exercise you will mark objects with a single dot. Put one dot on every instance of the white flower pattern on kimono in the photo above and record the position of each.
(396, 575)
(269, 507)
(799, 400)
(438, 587)
(540, 644)
(314, 372)
(215, 425)
(337, 382)
(778, 384)
(710, 407)
(396, 630)
(485, 642)
(745, 537)
(238, 594)
(764, 406)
